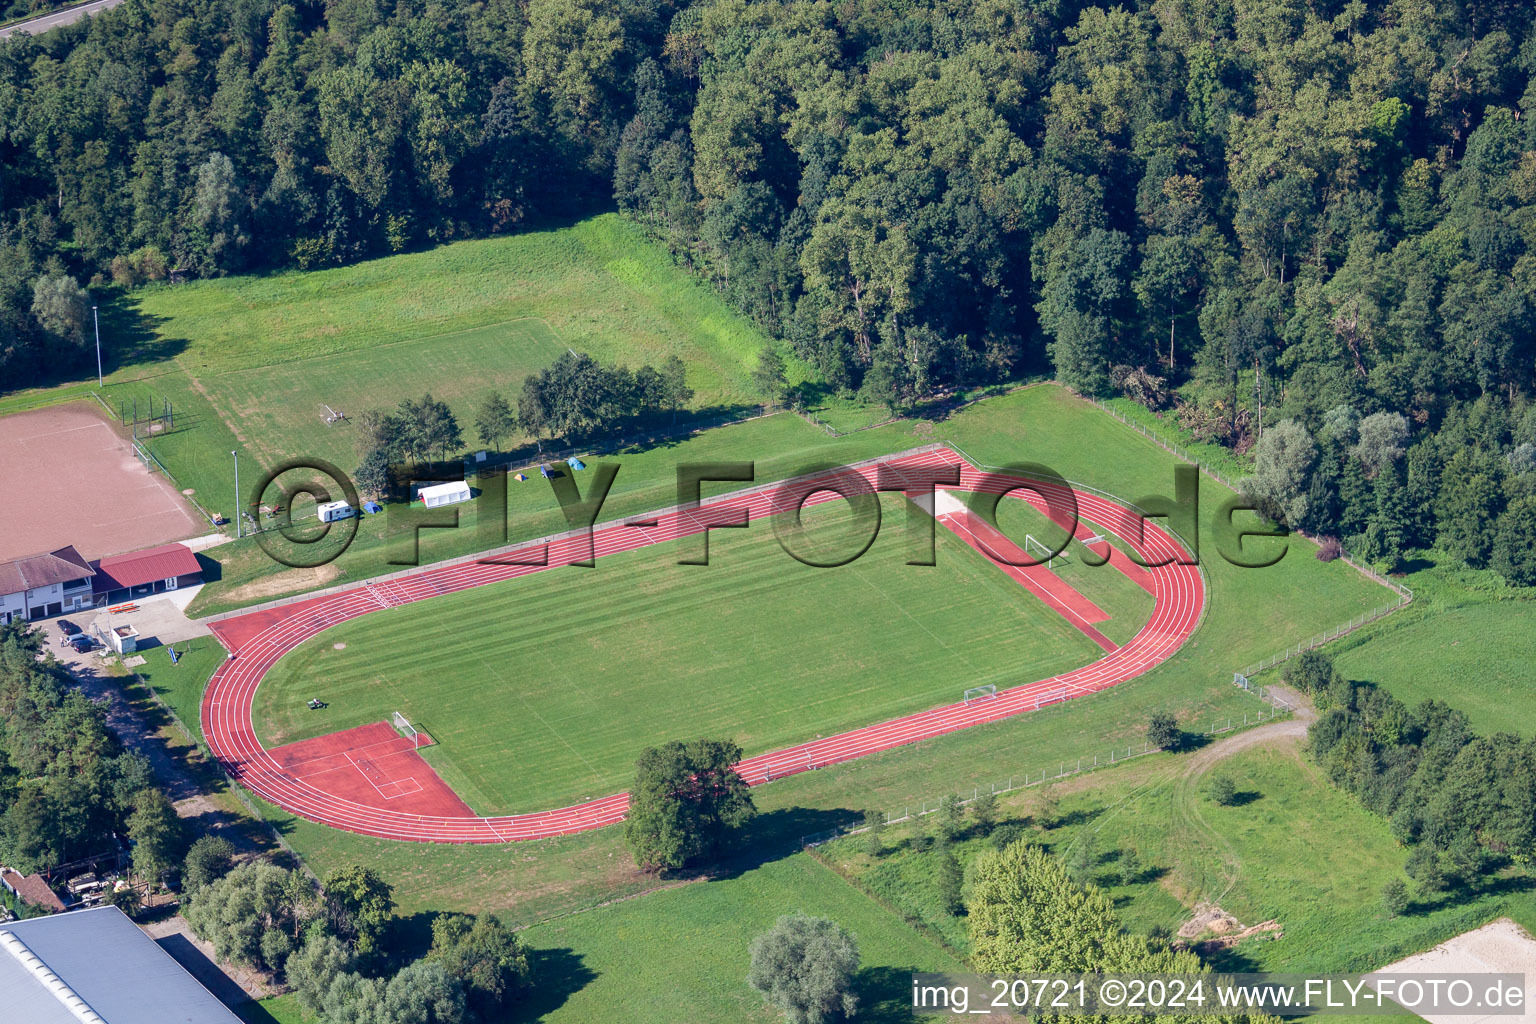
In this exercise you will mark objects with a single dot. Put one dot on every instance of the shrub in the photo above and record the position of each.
(1221, 790)
(1163, 731)
(209, 859)
(1394, 897)
(1006, 834)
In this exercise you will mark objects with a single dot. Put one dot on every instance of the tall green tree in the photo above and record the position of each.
(685, 804)
(359, 905)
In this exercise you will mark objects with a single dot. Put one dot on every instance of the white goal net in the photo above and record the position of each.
(981, 692)
(1035, 547)
(404, 727)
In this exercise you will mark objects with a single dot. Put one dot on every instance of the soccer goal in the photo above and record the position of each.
(1033, 546)
(404, 728)
(981, 692)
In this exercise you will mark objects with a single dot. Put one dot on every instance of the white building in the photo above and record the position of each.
(42, 586)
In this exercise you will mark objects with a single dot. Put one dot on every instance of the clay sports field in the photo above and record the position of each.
(372, 780)
(77, 481)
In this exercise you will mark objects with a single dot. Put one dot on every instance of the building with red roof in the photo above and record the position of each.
(142, 573)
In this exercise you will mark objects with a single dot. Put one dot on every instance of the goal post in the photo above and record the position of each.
(404, 728)
(981, 692)
(1048, 553)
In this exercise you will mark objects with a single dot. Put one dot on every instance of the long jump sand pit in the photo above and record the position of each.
(1498, 947)
(70, 478)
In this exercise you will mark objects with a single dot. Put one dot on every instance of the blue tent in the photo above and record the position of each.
(575, 463)
(372, 507)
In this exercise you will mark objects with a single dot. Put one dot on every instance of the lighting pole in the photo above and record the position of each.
(236, 456)
(97, 320)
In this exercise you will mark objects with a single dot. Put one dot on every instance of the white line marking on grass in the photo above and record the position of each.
(552, 730)
(909, 615)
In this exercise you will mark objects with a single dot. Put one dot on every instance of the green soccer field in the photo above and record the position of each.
(542, 691)
(280, 409)
(249, 362)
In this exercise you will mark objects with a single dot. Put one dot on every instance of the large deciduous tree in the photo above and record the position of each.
(804, 966)
(686, 801)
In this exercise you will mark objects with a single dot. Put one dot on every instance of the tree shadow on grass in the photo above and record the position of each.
(1189, 741)
(779, 834)
(629, 436)
(885, 994)
(410, 937)
(1458, 895)
(558, 974)
(1080, 816)
(128, 336)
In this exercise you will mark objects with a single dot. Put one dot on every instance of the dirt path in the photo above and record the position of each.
(1293, 729)
(1209, 866)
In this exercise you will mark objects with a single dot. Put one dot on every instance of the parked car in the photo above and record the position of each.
(68, 628)
(82, 643)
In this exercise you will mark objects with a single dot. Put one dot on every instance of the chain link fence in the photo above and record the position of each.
(1064, 769)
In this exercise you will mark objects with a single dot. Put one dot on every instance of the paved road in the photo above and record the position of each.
(43, 22)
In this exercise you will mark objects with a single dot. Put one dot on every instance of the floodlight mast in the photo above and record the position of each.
(95, 318)
(236, 457)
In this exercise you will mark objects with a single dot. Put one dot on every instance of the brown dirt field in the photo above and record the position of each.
(72, 479)
(285, 582)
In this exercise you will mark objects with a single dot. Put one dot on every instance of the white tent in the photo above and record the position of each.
(438, 495)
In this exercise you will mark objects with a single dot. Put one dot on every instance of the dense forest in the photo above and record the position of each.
(68, 790)
(1304, 228)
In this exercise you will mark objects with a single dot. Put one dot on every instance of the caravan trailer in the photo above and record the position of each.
(331, 511)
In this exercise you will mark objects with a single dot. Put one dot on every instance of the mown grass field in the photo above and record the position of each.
(1476, 658)
(279, 410)
(695, 941)
(542, 691)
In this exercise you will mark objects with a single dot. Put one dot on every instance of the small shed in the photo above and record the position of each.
(438, 495)
(330, 511)
(125, 639)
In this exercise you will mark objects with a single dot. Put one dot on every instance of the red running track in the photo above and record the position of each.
(258, 640)
(1054, 592)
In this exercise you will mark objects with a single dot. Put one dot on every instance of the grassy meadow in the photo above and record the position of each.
(1476, 658)
(696, 940)
(1260, 860)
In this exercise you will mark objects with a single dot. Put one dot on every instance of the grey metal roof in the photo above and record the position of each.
(118, 973)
